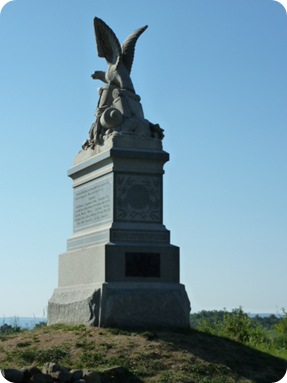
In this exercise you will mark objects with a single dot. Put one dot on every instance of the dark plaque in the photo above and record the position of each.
(144, 265)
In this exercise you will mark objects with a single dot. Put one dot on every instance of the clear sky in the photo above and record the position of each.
(213, 74)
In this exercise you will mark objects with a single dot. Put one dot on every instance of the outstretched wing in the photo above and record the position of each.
(128, 47)
(107, 43)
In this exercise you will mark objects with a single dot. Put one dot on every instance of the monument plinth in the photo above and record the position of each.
(120, 268)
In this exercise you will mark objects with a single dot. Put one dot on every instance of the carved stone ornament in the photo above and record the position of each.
(119, 110)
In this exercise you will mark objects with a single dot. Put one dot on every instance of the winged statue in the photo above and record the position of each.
(119, 58)
(119, 111)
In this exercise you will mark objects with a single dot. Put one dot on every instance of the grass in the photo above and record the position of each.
(152, 356)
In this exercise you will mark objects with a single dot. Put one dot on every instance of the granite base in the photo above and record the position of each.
(121, 304)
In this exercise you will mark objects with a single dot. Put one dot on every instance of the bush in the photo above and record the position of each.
(237, 325)
(7, 329)
(208, 321)
(281, 327)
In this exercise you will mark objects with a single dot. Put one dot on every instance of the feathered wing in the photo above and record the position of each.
(107, 43)
(128, 47)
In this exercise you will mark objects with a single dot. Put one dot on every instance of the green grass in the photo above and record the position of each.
(34, 356)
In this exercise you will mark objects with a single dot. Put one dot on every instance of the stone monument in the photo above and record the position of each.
(120, 269)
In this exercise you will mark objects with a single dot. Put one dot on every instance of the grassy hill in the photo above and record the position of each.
(151, 356)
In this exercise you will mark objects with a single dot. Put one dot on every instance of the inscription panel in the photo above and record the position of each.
(93, 203)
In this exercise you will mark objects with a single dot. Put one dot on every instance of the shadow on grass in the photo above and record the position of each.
(244, 361)
(119, 375)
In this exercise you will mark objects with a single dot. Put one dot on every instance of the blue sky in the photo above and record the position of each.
(213, 74)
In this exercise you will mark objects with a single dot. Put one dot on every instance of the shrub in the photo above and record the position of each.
(7, 329)
(208, 321)
(281, 327)
(237, 325)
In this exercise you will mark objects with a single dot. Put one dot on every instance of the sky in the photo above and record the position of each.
(211, 73)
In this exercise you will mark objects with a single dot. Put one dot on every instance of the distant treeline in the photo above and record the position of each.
(215, 318)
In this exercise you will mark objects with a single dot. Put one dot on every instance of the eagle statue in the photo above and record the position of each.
(119, 58)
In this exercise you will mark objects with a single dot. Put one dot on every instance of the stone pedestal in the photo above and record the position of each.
(120, 268)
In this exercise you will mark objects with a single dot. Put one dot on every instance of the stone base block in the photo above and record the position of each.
(124, 305)
(145, 305)
(75, 305)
